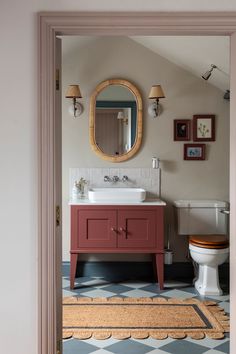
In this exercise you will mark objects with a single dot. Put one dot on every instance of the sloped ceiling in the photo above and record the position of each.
(194, 54)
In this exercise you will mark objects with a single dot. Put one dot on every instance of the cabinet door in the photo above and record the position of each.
(136, 228)
(97, 229)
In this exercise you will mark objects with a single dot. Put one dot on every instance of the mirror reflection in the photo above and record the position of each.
(116, 120)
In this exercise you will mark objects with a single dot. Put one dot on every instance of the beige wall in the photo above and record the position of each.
(186, 95)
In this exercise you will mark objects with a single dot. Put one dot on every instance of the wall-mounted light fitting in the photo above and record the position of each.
(122, 118)
(73, 92)
(156, 93)
(227, 95)
(209, 72)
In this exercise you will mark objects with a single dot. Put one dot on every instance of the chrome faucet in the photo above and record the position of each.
(107, 179)
(115, 179)
(125, 178)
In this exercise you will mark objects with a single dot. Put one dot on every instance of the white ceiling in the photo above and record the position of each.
(195, 54)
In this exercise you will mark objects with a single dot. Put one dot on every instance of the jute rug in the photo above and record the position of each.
(140, 318)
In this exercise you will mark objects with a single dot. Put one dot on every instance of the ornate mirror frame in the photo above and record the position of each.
(139, 126)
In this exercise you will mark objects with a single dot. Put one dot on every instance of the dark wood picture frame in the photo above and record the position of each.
(182, 129)
(194, 151)
(204, 127)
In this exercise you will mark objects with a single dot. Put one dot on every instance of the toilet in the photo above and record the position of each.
(206, 224)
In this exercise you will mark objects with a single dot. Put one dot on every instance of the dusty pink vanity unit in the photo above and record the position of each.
(109, 227)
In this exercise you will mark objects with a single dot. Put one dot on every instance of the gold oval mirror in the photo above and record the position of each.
(115, 127)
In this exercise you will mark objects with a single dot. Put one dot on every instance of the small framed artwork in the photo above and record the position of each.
(182, 129)
(194, 151)
(204, 127)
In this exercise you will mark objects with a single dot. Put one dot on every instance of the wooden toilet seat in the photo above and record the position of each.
(209, 241)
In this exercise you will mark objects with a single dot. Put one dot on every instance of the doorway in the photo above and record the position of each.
(136, 62)
(77, 24)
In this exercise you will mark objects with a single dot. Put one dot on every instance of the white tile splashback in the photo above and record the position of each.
(147, 178)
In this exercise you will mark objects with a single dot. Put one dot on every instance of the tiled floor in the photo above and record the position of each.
(100, 287)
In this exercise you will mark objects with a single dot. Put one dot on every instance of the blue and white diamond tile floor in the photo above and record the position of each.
(101, 287)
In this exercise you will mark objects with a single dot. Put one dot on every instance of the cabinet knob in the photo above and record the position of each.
(122, 230)
(113, 229)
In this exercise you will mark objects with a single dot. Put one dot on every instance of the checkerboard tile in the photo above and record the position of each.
(213, 351)
(225, 306)
(138, 293)
(209, 343)
(73, 346)
(101, 351)
(184, 347)
(129, 346)
(100, 287)
(224, 347)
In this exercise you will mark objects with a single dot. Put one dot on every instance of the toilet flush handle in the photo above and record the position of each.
(227, 212)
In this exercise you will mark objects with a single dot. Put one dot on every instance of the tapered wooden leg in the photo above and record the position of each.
(73, 264)
(160, 269)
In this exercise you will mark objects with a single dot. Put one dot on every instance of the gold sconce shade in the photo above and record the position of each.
(156, 92)
(122, 118)
(120, 115)
(73, 91)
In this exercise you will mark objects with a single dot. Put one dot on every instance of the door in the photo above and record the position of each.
(95, 229)
(137, 229)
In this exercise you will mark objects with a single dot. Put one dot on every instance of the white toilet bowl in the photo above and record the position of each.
(205, 222)
(208, 259)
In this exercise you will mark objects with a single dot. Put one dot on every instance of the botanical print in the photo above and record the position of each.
(204, 128)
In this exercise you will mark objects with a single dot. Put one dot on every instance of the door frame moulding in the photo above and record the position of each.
(52, 24)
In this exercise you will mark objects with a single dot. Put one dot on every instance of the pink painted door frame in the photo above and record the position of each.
(52, 24)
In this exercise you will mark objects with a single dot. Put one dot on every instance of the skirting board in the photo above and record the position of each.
(141, 270)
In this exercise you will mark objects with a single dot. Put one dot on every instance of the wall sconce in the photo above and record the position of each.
(76, 108)
(156, 93)
(122, 118)
(209, 72)
(227, 95)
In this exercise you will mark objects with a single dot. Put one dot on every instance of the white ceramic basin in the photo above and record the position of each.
(117, 194)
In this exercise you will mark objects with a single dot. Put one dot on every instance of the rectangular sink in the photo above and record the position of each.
(117, 194)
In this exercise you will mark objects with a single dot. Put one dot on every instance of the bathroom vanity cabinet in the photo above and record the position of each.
(137, 228)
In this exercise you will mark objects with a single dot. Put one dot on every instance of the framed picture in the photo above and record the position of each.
(204, 127)
(194, 151)
(182, 129)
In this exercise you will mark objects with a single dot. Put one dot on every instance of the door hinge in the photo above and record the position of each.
(58, 215)
(57, 79)
(59, 347)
